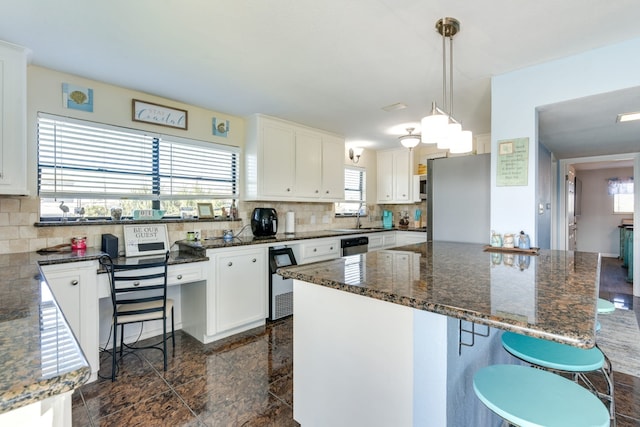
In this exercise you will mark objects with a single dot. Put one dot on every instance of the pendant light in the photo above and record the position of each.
(410, 140)
(440, 127)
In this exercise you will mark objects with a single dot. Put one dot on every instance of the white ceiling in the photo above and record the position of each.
(330, 64)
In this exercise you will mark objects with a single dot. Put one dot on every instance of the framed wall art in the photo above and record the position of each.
(148, 112)
(77, 97)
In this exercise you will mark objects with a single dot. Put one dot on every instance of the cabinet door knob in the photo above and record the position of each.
(74, 282)
(254, 260)
(230, 264)
(315, 249)
(136, 283)
(179, 276)
(331, 248)
(288, 189)
(327, 191)
(317, 191)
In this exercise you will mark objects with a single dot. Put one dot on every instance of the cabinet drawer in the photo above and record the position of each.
(375, 242)
(177, 274)
(185, 273)
(319, 251)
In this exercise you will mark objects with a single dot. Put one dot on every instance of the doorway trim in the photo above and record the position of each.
(559, 238)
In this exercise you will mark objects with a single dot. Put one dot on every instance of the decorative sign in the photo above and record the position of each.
(513, 162)
(156, 114)
(145, 239)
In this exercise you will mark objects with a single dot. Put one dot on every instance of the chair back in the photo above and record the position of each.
(136, 287)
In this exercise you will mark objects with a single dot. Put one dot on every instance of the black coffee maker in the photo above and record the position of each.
(264, 222)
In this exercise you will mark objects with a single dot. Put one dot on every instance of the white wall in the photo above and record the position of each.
(514, 98)
(598, 225)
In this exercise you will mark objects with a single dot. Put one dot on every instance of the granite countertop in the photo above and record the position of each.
(552, 295)
(31, 368)
(282, 238)
(32, 328)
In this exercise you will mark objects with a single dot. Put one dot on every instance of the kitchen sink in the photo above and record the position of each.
(361, 229)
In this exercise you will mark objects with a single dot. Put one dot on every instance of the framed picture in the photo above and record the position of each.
(205, 210)
(148, 112)
(77, 97)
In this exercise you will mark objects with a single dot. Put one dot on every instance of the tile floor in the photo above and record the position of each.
(245, 380)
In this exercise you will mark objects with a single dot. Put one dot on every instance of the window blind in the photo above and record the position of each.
(90, 160)
(354, 185)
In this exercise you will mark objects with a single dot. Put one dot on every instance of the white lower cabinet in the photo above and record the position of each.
(74, 286)
(241, 288)
(410, 237)
(315, 250)
(233, 298)
(381, 240)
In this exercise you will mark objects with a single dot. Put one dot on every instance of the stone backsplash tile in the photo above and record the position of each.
(18, 234)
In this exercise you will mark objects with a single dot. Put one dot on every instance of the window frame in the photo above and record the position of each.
(362, 190)
(163, 176)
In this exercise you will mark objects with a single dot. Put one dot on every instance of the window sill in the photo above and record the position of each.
(76, 222)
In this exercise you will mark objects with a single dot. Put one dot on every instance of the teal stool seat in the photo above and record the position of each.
(562, 357)
(605, 306)
(532, 397)
(551, 354)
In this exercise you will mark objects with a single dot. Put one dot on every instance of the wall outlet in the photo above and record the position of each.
(198, 234)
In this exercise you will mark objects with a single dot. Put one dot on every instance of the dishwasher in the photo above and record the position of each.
(354, 245)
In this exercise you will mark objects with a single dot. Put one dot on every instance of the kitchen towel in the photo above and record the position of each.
(290, 222)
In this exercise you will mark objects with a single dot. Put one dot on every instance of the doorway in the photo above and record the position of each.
(595, 227)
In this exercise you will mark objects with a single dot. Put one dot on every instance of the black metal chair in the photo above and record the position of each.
(139, 294)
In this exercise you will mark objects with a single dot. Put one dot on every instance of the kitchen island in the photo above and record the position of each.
(381, 338)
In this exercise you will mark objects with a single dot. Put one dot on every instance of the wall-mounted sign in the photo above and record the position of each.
(513, 162)
(156, 114)
(145, 239)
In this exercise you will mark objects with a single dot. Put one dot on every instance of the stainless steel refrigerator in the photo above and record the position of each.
(458, 199)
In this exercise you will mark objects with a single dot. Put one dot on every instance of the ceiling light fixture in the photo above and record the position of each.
(440, 127)
(411, 139)
(355, 153)
(628, 117)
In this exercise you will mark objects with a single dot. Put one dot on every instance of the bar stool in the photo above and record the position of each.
(564, 358)
(529, 397)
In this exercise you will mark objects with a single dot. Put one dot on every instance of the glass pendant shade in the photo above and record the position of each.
(464, 143)
(434, 128)
(410, 142)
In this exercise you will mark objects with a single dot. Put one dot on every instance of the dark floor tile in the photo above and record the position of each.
(627, 402)
(283, 389)
(79, 414)
(165, 409)
(136, 380)
(622, 421)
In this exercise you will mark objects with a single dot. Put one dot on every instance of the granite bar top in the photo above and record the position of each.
(552, 295)
(33, 328)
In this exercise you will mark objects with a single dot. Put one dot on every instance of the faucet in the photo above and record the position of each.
(358, 216)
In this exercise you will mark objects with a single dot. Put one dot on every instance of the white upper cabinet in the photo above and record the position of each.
(308, 176)
(287, 161)
(395, 176)
(13, 112)
(332, 168)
